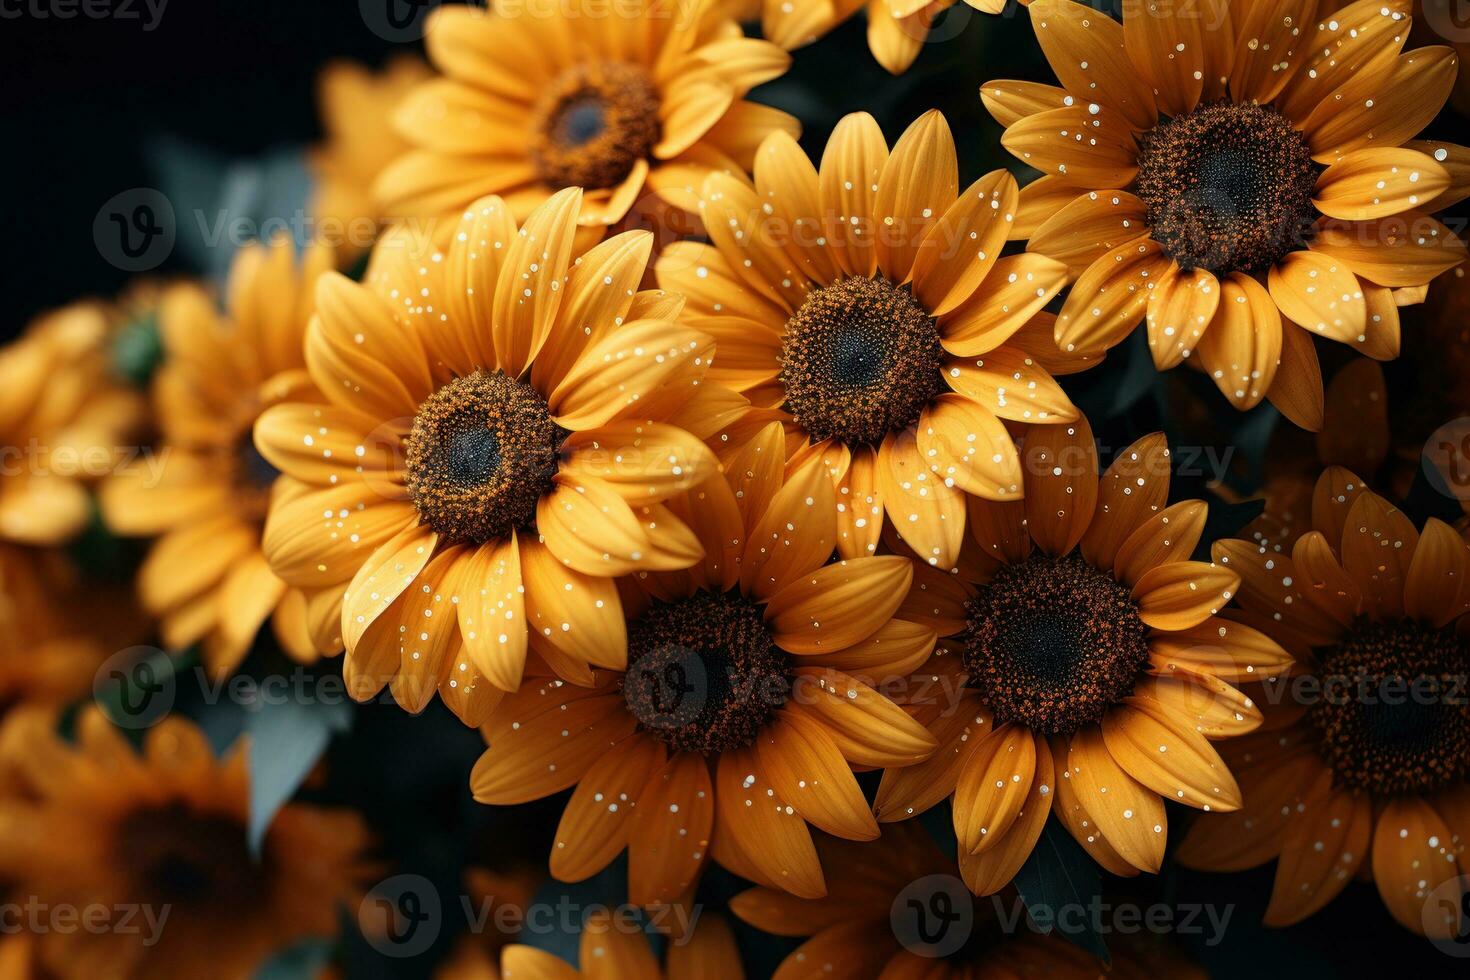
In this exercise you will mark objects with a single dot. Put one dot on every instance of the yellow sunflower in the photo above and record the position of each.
(897, 29)
(204, 490)
(1241, 177)
(1089, 666)
(866, 927)
(66, 421)
(634, 109)
(495, 445)
(869, 306)
(353, 101)
(1362, 767)
(157, 840)
(609, 950)
(743, 706)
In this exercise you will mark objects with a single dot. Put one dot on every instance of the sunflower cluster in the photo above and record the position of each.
(792, 515)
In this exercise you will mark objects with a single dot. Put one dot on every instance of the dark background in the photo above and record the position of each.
(87, 105)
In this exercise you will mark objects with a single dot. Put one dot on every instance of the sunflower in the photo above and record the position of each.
(749, 692)
(1239, 188)
(66, 421)
(608, 950)
(1346, 777)
(353, 101)
(867, 927)
(634, 109)
(897, 29)
(1088, 667)
(869, 306)
(159, 836)
(205, 490)
(495, 445)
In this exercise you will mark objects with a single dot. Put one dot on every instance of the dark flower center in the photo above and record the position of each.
(1052, 643)
(482, 452)
(703, 673)
(593, 124)
(1228, 187)
(175, 854)
(1394, 715)
(860, 359)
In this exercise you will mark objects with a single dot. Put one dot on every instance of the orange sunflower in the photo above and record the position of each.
(868, 305)
(204, 491)
(897, 29)
(533, 100)
(157, 840)
(1239, 176)
(66, 421)
(494, 445)
(1363, 767)
(608, 950)
(743, 706)
(353, 102)
(1089, 666)
(868, 928)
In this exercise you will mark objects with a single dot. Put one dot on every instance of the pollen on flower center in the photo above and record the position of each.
(482, 451)
(703, 673)
(593, 124)
(860, 359)
(177, 855)
(1228, 187)
(1394, 715)
(1052, 643)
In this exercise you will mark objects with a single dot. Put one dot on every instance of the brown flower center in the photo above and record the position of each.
(593, 124)
(1394, 714)
(860, 359)
(703, 673)
(174, 854)
(482, 451)
(1052, 643)
(1228, 187)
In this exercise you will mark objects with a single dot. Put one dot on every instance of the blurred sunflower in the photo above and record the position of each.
(1348, 778)
(865, 929)
(532, 100)
(608, 950)
(1237, 193)
(1089, 666)
(897, 29)
(742, 708)
(159, 835)
(205, 490)
(66, 421)
(869, 306)
(353, 101)
(495, 446)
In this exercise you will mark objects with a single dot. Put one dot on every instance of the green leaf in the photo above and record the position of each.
(287, 736)
(1059, 876)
